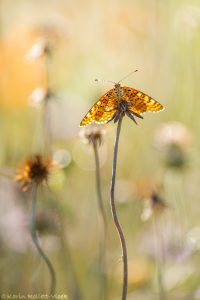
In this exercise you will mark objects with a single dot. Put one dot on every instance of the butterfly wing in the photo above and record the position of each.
(102, 111)
(140, 102)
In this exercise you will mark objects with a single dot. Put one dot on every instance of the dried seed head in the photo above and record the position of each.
(41, 47)
(173, 138)
(172, 133)
(154, 205)
(175, 157)
(92, 134)
(40, 96)
(34, 170)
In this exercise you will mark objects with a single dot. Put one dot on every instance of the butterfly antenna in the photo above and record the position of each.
(127, 75)
(104, 81)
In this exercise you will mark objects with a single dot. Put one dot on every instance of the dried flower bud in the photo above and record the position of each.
(92, 134)
(43, 46)
(39, 96)
(34, 170)
(154, 205)
(175, 156)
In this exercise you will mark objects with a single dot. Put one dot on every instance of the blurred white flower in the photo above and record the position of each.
(154, 205)
(172, 133)
(41, 47)
(37, 97)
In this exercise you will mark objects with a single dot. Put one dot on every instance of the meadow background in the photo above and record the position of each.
(106, 40)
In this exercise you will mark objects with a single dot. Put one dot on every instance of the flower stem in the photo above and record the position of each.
(102, 259)
(46, 109)
(114, 213)
(160, 260)
(35, 241)
(98, 185)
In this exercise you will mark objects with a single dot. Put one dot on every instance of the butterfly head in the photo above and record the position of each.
(118, 90)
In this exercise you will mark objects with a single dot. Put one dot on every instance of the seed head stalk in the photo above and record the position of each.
(160, 260)
(103, 239)
(114, 212)
(46, 111)
(36, 243)
(98, 185)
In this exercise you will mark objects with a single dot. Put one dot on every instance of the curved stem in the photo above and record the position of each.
(98, 185)
(102, 259)
(35, 241)
(114, 213)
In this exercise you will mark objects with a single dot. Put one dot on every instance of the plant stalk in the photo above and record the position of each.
(103, 239)
(160, 260)
(98, 185)
(36, 243)
(114, 212)
(46, 109)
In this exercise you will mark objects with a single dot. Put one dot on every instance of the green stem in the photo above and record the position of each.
(160, 260)
(35, 241)
(103, 240)
(114, 213)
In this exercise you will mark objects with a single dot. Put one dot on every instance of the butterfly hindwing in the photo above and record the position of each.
(106, 107)
(140, 102)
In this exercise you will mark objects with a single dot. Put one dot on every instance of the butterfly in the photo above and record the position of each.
(119, 101)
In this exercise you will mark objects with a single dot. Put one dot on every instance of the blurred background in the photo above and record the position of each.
(53, 50)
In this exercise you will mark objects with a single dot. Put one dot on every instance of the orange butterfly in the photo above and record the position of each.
(119, 101)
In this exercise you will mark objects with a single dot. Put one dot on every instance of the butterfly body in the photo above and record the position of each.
(119, 101)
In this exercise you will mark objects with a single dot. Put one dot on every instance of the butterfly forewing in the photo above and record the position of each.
(140, 102)
(102, 111)
(106, 107)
